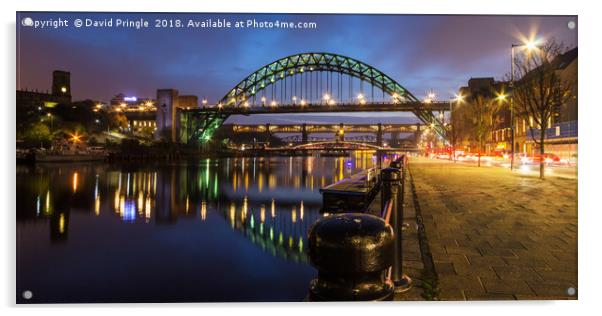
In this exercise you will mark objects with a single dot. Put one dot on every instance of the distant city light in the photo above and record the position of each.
(130, 99)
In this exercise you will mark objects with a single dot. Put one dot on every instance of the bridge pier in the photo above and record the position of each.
(379, 135)
(267, 131)
(417, 135)
(395, 139)
(304, 134)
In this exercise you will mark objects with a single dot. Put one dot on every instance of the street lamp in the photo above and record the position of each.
(530, 45)
(360, 97)
(50, 116)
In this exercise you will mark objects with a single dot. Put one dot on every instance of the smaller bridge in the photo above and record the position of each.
(337, 145)
(322, 128)
(339, 130)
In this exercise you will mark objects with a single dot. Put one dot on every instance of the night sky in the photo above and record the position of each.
(422, 53)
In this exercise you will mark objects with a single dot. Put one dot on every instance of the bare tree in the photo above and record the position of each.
(540, 91)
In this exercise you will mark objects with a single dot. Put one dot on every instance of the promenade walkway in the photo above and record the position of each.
(493, 234)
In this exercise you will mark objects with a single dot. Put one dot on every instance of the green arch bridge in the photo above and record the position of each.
(310, 83)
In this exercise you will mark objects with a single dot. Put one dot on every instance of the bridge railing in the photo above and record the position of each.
(435, 106)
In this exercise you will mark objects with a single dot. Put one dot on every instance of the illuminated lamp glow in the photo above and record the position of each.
(130, 99)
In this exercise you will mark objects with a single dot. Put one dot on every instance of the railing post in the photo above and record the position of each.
(392, 192)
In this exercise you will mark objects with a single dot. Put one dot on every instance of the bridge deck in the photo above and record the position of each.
(311, 108)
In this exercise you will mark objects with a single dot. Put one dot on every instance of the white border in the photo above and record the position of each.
(589, 183)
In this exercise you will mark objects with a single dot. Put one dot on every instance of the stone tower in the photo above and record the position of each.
(61, 83)
(167, 103)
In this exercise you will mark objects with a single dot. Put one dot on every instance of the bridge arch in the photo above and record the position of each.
(201, 128)
(312, 62)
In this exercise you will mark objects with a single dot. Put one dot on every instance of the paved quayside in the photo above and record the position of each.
(491, 234)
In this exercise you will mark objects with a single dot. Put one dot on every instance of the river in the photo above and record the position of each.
(231, 229)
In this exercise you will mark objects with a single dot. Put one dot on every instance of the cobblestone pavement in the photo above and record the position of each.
(495, 234)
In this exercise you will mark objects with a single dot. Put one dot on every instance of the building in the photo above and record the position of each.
(462, 116)
(561, 134)
(153, 117)
(123, 103)
(60, 93)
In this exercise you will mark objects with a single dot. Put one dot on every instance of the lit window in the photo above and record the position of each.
(63, 89)
(557, 130)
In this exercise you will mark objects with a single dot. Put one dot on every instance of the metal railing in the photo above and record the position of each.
(392, 192)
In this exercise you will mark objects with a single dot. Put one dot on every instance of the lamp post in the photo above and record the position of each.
(458, 98)
(50, 116)
(529, 45)
(511, 86)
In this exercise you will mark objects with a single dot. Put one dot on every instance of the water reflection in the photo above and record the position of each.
(271, 202)
(161, 194)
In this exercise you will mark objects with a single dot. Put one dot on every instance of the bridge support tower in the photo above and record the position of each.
(304, 134)
(166, 122)
(417, 135)
(395, 139)
(267, 131)
(379, 135)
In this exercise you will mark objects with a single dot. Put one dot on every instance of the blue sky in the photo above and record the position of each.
(421, 52)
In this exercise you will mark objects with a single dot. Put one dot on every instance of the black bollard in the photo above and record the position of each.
(392, 193)
(352, 253)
